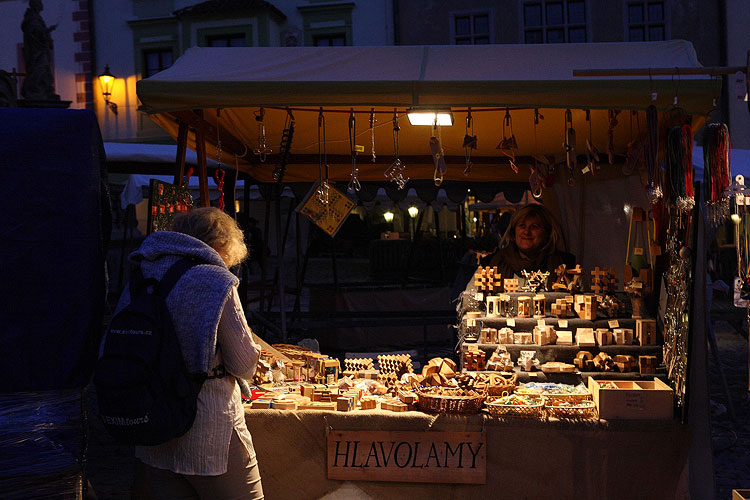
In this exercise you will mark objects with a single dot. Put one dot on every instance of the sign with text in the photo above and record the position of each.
(421, 457)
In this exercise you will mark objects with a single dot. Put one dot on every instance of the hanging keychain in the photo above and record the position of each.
(262, 150)
(651, 155)
(536, 181)
(219, 172)
(395, 172)
(372, 135)
(438, 156)
(470, 141)
(570, 146)
(354, 177)
(592, 154)
(508, 145)
(323, 190)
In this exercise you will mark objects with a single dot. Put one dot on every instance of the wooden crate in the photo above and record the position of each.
(636, 399)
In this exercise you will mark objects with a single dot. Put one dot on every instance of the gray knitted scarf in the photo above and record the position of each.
(198, 298)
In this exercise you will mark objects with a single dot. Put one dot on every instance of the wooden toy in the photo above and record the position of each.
(474, 359)
(260, 404)
(368, 403)
(344, 403)
(522, 338)
(567, 279)
(647, 364)
(603, 280)
(623, 336)
(645, 331)
(564, 337)
(524, 307)
(603, 362)
(395, 363)
(510, 285)
(504, 304)
(584, 360)
(544, 335)
(585, 337)
(327, 371)
(558, 367)
(586, 306)
(284, 404)
(500, 361)
(562, 308)
(368, 374)
(357, 364)
(493, 306)
(535, 281)
(505, 336)
(327, 406)
(539, 305)
(625, 362)
(603, 336)
(610, 306)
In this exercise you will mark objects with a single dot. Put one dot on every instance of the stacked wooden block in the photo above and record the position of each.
(544, 335)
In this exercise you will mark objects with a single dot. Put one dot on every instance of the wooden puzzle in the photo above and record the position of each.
(538, 304)
(647, 364)
(603, 336)
(395, 363)
(603, 280)
(586, 306)
(562, 308)
(585, 337)
(604, 362)
(584, 360)
(535, 281)
(625, 362)
(623, 336)
(357, 364)
(544, 335)
(524, 307)
(564, 337)
(510, 285)
(645, 331)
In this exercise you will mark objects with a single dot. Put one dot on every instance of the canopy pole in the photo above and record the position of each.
(182, 136)
(200, 150)
(280, 261)
(264, 256)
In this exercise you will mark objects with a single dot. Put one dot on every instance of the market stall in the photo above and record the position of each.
(586, 147)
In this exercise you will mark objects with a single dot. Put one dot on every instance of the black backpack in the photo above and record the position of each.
(145, 393)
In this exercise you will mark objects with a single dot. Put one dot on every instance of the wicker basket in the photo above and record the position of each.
(501, 390)
(569, 397)
(579, 410)
(439, 403)
(497, 409)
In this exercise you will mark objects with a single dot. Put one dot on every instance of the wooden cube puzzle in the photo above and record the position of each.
(395, 363)
(645, 331)
(522, 338)
(623, 336)
(344, 403)
(625, 362)
(586, 306)
(647, 364)
(474, 359)
(603, 336)
(585, 337)
(504, 303)
(510, 285)
(488, 336)
(544, 335)
(505, 336)
(562, 308)
(368, 403)
(603, 280)
(493, 306)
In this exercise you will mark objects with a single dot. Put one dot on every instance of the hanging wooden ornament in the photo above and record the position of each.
(395, 172)
(570, 146)
(716, 172)
(285, 148)
(508, 145)
(262, 150)
(470, 141)
(438, 156)
(592, 154)
(354, 184)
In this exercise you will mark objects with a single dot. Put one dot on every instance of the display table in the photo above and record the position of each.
(526, 458)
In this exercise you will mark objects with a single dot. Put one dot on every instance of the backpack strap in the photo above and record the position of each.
(174, 273)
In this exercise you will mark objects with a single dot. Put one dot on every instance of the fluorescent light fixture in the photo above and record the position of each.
(428, 117)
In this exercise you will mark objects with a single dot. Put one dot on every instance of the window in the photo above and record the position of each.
(471, 28)
(155, 60)
(332, 40)
(646, 21)
(233, 40)
(554, 21)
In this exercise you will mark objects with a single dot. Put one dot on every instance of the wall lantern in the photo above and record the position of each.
(422, 116)
(413, 211)
(107, 80)
(388, 216)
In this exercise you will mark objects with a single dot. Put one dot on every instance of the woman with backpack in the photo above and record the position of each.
(215, 458)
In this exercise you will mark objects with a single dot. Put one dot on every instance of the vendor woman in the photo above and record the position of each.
(530, 243)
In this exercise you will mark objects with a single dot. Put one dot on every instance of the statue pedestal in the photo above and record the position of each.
(29, 103)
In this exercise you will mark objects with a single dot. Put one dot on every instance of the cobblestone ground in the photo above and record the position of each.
(731, 440)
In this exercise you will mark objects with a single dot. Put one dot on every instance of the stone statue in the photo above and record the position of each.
(39, 84)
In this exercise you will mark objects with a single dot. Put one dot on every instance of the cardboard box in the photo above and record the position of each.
(636, 399)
